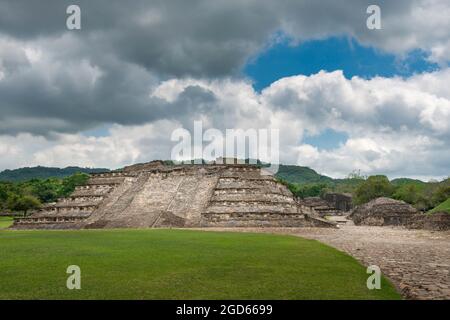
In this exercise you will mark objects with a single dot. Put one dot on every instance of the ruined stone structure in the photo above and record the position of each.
(382, 212)
(330, 204)
(340, 201)
(155, 195)
(438, 221)
(319, 205)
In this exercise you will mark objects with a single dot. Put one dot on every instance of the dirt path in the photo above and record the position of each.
(417, 261)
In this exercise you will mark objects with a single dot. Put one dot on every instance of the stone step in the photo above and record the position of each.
(246, 177)
(239, 184)
(257, 215)
(83, 198)
(256, 219)
(105, 181)
(49, 214)
(67, 210)
(248, 209)
(48, 219)
(255, 197)
(250, 203)
(94, 190)
(75, 204)
(109, 174)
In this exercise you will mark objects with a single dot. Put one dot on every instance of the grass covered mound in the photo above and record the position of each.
(443, 207)
(5, 222)
(178, 264)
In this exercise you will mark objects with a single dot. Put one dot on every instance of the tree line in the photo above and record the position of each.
(23, 197)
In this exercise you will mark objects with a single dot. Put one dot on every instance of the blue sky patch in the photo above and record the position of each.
(335, 53)
(326, 140)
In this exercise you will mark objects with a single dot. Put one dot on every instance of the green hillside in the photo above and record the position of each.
(301, 175)
(404, 181)
(24, 174)
(443, 207)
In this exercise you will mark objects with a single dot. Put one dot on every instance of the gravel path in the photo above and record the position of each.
(417, 261)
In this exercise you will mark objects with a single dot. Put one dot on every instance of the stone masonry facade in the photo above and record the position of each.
(155, 195)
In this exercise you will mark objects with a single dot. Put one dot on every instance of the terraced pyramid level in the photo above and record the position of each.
(155, 195)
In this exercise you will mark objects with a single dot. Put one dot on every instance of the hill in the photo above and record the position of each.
(28, 173)
(443, 207)
(404, 181)
(301, 175)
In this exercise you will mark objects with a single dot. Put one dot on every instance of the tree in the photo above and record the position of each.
(45, 190)
(24, 203)
(373, 187)
(409, 193)
(3, 196)
(441, 193)
(311, 190)
(69, 183)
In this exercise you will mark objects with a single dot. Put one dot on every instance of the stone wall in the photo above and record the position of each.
(340, 201)
(318, 205)
(437, 221)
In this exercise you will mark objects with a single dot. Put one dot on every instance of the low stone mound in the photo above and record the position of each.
(383, 211)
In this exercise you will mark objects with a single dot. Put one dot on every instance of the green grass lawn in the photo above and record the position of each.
(443, 207)
(5, 222)
(178, 264)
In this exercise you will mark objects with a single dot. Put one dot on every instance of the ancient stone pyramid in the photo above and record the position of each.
(155, 195)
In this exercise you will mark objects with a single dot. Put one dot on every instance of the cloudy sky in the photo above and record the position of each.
(343, 97)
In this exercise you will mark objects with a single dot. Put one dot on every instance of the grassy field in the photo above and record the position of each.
(178, 264)
(5, 222)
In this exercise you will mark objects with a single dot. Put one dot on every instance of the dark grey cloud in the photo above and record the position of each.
(104, 73)
(199, 37)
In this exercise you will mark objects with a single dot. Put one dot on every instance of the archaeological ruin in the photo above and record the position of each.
(390, 212)
(330, 204)
(382, 211)
(157, 195)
